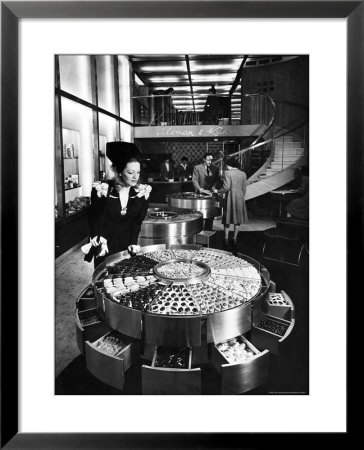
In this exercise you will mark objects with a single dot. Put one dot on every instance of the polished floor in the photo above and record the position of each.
(287, 376)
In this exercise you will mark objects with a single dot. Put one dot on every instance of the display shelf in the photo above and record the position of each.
(70, 189)
(156, 311)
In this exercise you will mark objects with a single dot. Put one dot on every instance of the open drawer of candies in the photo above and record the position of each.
(111, 344)
(171, 372)
(270, 332)
(172, 357)
(240, 364)
(237, 350)
(280, 305)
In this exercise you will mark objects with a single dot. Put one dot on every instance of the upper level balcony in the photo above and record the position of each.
(205, 97)
(173, 116)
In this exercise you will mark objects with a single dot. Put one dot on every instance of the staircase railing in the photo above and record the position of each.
(259, 113)
(275, 133)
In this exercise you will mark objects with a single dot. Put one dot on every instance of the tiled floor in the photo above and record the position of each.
(73, 274)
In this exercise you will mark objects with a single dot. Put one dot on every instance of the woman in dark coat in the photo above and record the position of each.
(118, 206)
(234, 187)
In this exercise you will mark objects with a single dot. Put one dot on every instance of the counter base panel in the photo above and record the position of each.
(161, 381)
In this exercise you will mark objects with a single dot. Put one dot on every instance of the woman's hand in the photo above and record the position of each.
(104, 247)
(95, 241)
(134, 248)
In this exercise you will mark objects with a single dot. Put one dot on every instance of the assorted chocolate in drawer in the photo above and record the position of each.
(270, 332)
(171, 373)
(279, 305)
(237, 350)
(172, 358)
(273, 326)
(276, 299)
(240, 364)
(112, 343)
(89, 317)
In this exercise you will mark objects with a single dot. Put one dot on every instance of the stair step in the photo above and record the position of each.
(279, 165)
(289, 152)
(286, 138)
(290, 146)
(272, 171)
(286, 158)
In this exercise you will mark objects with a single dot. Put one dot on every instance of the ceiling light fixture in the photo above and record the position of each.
(178, 67)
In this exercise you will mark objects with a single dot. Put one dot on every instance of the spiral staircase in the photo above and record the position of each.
(288, 149)
(288, 153)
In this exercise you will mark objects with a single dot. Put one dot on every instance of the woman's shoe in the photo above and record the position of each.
(226, 242)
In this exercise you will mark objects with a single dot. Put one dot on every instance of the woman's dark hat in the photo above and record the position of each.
(120, 152)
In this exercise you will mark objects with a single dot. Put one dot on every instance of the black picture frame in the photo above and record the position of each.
(11, 12)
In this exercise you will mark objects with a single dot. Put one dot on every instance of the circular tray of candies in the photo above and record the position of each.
(180, 281)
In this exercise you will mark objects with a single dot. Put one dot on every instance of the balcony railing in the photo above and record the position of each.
(169, 110)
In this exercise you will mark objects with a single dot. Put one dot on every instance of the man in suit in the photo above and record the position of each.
(184, 169)
(205, 178)
(166, 170)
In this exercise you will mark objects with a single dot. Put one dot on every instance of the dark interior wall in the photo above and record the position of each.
(193, 150)
(286, 81)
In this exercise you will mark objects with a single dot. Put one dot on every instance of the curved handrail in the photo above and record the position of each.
(257, 145)
(270, 124)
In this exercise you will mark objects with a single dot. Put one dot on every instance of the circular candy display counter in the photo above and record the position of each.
(209, 204)
(169, 225)
(181, 309)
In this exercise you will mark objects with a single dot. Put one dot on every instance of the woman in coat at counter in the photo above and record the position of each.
(118, 206)
(234, 187)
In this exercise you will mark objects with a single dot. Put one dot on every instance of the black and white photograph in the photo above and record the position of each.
(182, 224)
(181, 198)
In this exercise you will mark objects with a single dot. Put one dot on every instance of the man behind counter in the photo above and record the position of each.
(166, 170)
(184, 169)
(205, 178)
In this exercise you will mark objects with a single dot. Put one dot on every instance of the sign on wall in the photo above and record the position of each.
(198, 131)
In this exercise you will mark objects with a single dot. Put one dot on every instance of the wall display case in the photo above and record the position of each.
(182, 308)
(91, 93)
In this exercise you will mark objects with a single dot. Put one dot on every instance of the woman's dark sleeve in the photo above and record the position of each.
(138, 222)
(96, 214)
